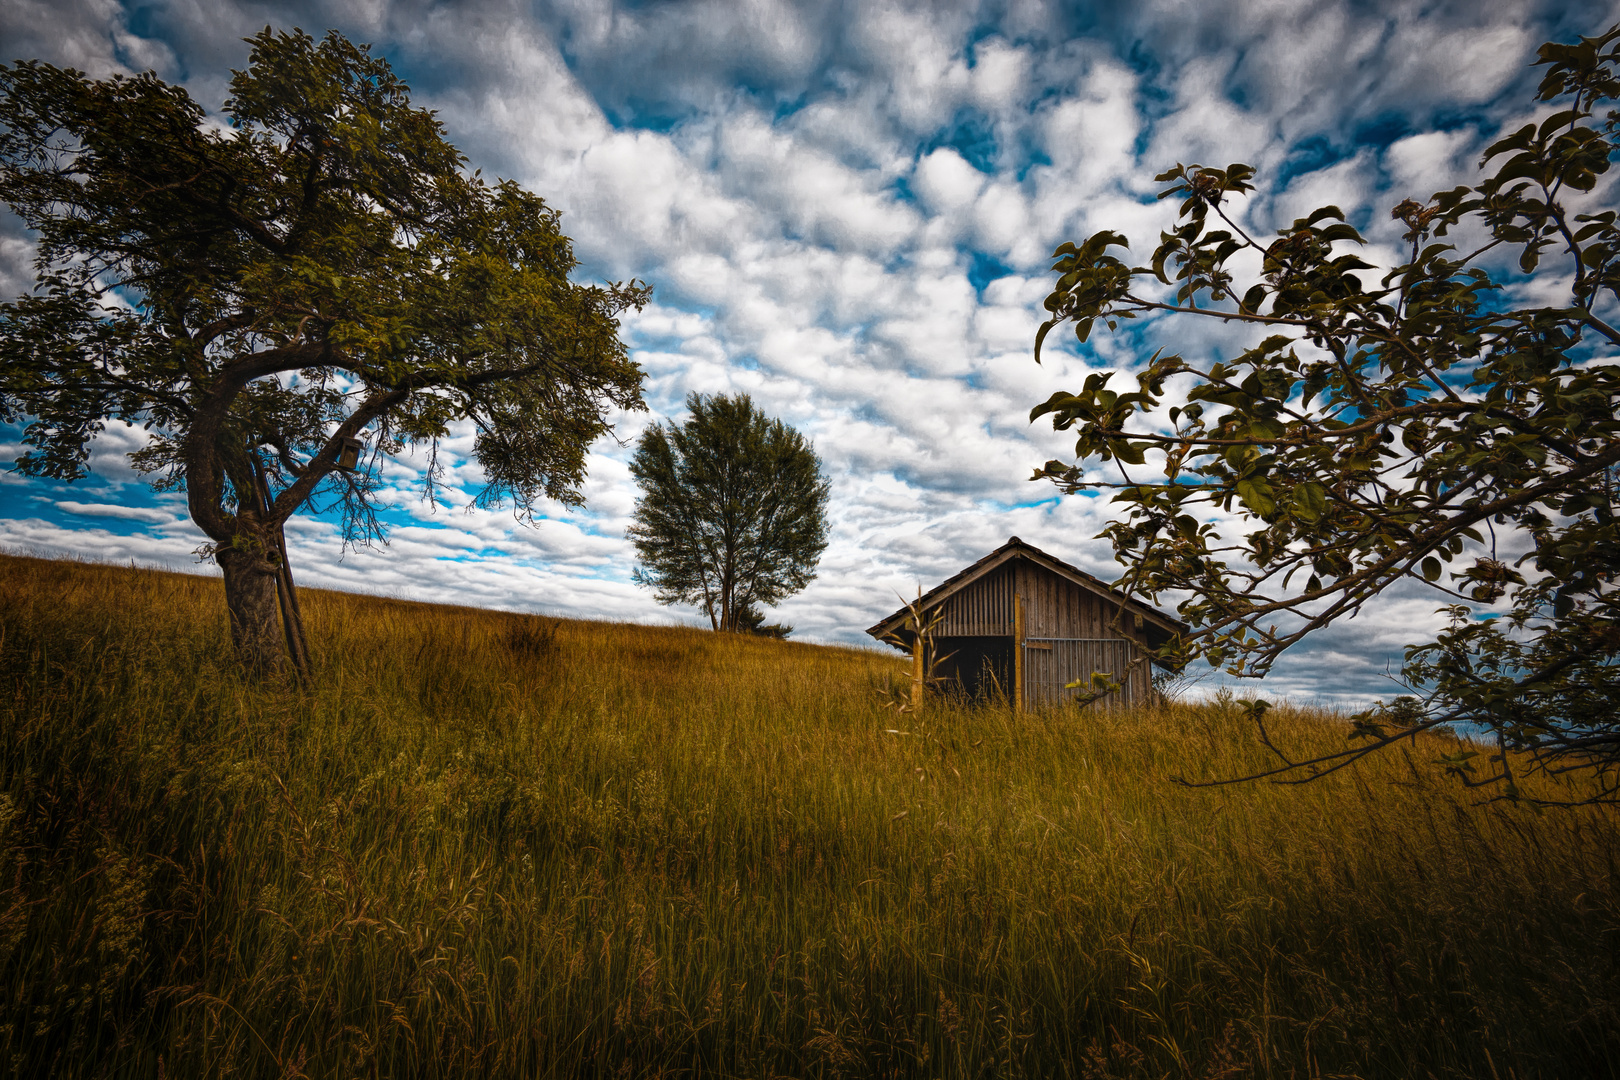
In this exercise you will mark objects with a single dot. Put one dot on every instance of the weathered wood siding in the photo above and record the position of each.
(1054, 607)
(1050, 666)
(1057, 607)
(983, 609)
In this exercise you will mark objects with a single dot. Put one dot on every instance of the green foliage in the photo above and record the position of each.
(323, 269)
(487, 845)
(1375, 434)
(752, 621)
(732, 514)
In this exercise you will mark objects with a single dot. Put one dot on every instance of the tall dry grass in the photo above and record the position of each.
(491, 845)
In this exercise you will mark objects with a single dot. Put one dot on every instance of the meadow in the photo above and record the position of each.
(484, 844)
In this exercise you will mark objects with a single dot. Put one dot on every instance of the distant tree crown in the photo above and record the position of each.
(732, 512)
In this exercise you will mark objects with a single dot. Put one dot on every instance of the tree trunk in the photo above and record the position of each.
(250, 597)
(292, 620)
(728, 586)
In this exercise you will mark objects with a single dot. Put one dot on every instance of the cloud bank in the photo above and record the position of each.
(846, 211)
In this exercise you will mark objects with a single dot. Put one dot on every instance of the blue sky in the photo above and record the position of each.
(846, 211)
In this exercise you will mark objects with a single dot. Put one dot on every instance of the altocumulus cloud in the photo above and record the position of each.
(150, 515)
(846, 211)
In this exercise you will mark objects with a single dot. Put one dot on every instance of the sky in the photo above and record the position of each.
(846, 211)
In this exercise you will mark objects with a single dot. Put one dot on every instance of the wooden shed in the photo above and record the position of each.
(1026, 624)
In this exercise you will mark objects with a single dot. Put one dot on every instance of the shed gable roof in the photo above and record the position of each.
(1014, 549)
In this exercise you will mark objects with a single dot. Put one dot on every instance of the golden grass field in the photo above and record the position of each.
(483, 844)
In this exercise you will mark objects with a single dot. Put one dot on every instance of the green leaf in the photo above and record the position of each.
(1040, 335)
(1128, 452)
(1309, 500)
(1256, 494)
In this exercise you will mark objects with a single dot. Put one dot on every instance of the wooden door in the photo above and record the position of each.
(1051, 664)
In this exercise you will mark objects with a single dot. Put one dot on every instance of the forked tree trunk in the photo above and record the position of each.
(250, 597)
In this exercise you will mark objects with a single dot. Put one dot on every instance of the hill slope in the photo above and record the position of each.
(487, 844)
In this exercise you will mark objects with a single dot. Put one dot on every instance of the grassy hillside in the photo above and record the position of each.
(491, 845)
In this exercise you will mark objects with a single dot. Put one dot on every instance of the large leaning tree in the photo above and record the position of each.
(322, 273)
(1452, 421)
(732, 514)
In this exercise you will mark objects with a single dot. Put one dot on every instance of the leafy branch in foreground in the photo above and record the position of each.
(1379, 434)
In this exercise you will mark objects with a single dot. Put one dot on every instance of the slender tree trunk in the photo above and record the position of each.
(250, 597)
(292, 624)
(728, 591)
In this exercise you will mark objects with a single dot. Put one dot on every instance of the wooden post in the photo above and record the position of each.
(292, 596)
(292, 619)
(1018, 653)
(919, 667)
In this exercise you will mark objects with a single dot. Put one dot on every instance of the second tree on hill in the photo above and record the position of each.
(733, 510)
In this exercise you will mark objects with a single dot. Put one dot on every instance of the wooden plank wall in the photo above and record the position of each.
(1054, 607)
(1057, 607)
(982, 609)
(1050, 666)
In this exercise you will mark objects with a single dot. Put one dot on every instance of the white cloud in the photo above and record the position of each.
(1428, 162)
(946, 182)
(752, 159)
(113, 510)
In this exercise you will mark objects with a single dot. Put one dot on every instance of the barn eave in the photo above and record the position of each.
(1158, 626)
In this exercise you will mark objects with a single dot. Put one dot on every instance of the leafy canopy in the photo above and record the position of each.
(732, 514)
(322, 268)
(1423, 426)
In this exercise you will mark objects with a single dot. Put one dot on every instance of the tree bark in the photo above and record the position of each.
(250, 597)
(292, 619)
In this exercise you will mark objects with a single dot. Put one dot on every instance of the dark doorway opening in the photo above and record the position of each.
(980, 667)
